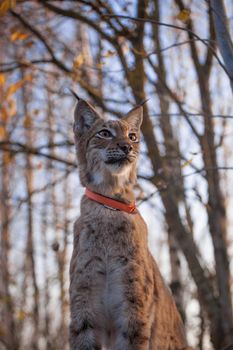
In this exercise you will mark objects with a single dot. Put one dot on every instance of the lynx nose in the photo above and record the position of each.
(125, 147)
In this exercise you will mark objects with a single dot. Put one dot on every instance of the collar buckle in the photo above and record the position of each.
(106, 206)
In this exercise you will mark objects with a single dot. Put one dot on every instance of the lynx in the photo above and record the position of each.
(118, 298)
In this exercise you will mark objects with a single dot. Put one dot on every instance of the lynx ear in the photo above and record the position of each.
(135, 117)
(84, 117)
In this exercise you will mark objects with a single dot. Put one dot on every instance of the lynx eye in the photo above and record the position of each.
(105, 134)
(133, 137)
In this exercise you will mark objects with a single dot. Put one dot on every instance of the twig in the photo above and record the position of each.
(169, 25)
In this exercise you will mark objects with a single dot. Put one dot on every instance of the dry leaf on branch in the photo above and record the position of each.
(14, 87)
(6, 5)
(2, 79)
(109, 53)
(184, 15)
(18, 36)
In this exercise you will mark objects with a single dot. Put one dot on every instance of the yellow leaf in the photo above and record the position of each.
(14, 87)
(28, 77)
(2, 132)
(6, 5)
(27, 122)
(21, 315)
(19, 36)
(184, 15)
(3, 114)
(7, 158)
(78, 61)
(109, 53)
(100, 65)
(2, 79)
(12, 108)
(188, 162)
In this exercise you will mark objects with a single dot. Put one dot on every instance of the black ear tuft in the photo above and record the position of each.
(84, 117)
(74, 94)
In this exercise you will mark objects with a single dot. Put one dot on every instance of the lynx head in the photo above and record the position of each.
(107, 151)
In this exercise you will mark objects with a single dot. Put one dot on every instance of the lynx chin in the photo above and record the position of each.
(118, 298)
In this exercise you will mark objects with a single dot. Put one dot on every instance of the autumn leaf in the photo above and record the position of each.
(6, 5)
(2, 79)
(2, 132)
(12, 108)
(109, 53)
(186, 163)
(21, 315)
(3, 114)
(27, 123)
(28, 77)
(100, 65)
(18, 36)
(14, 87)
(184, 15)
(78, 61)
(7, 158)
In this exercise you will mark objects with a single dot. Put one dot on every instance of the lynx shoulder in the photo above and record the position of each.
(118, 298)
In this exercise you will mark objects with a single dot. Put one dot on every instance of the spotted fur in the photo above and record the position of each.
(118, 298)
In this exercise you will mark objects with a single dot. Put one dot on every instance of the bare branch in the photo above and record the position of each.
(36, 32)
(149, 20)
(75, 15)
(17, 147)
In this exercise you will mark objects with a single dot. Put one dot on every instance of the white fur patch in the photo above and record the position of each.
(97, 178)
(123, 176)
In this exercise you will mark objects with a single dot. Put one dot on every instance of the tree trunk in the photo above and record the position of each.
(182, 236)
(30, 249)
(8, 335)
(223, 36)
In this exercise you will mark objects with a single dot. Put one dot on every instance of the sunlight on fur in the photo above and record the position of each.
(118, 298)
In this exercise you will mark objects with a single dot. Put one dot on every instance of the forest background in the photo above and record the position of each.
(116, 54)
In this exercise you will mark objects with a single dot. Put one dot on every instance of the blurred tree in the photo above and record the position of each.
(162, 50)
(223, 35)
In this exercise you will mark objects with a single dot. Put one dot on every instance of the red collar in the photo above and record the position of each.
(111, 203)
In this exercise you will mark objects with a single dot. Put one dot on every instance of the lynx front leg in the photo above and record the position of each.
(84, 325)
(133, 325)
(135, 336)
(85, 289)
(132, 311)
(83, 338)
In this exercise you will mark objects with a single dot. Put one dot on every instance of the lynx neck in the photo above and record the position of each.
(124, 195)
(116, 186)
